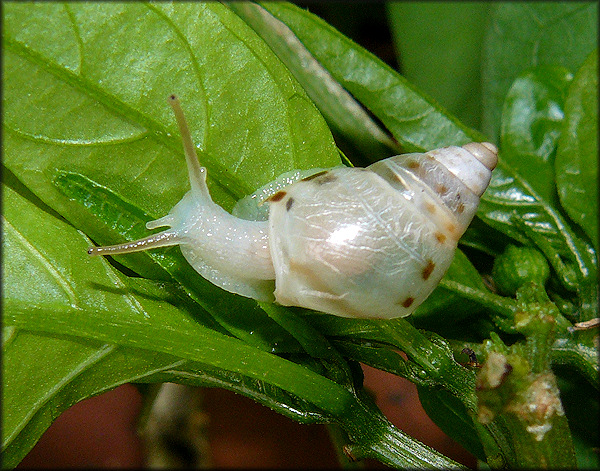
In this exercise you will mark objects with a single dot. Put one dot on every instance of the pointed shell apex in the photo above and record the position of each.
(485, 152)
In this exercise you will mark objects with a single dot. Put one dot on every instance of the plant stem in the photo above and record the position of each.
(501, 305)
(375, 437)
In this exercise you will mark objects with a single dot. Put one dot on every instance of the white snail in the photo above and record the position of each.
(353, 242)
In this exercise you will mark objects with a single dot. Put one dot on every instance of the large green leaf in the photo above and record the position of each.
(531, 125)
(341, 110)
(521, 199)
(74, 327)
(81, 105)
(529, 34)
(511, 205)
(577, 157)
(101, 109)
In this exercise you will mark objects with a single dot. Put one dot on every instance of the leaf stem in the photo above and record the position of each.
(505, 307)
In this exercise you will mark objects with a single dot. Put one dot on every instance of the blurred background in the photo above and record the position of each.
(234, 431)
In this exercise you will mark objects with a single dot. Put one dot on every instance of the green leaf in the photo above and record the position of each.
(512, 206)
(439, 47)
(101, 110)
(531, 125)
(450, 415)
(577, 156)
(529, 34)
(71, 107)
(416, 122)
(521, 199)
(77, 327)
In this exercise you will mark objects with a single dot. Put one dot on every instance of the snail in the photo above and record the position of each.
(354, 242)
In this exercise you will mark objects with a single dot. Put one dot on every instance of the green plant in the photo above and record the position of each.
(91, 153)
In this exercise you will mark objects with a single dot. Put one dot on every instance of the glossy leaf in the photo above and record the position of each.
(72, 108)
(577, 157)
(512, 206)
(78, 327)
(520, 200)
(531, 125)
(529, 34)
(128, 140)
(337, 105)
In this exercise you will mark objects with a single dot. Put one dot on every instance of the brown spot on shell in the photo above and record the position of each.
(441, 238)
(408, 301)
(441, 189)
(320, 178)
(451, 228)
(460, 208)
(274, 198)
(413, 165)
(327, 178)
(428, 269)
(315, 175)
(289, 203)
(430, 207)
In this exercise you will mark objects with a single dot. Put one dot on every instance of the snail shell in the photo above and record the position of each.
(354, 242)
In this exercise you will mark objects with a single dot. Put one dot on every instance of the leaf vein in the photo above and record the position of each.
(76, 142)
(63, 282)
(193, 60)
(94, 358)
(77, 35)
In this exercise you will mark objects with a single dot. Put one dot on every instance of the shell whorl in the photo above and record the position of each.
(375, 242)
(445, 183)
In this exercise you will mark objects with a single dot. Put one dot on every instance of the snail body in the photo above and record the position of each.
(353, 242)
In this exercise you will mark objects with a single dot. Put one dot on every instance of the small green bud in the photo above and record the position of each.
(517, 266)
